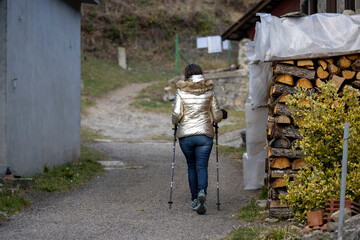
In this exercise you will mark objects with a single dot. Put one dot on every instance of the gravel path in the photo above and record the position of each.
(115, 118)
(130, 201)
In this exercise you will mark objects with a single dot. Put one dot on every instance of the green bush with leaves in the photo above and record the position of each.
(321, 117)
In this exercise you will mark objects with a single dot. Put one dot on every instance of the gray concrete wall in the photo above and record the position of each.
(43, 110)
(3, 17)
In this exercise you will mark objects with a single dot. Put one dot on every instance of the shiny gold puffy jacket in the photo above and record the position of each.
(195, 108)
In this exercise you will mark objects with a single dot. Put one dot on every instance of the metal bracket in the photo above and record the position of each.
(13, 80)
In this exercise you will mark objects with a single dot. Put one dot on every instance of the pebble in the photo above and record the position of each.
(3, 213)
(261, 203)
(271, 220)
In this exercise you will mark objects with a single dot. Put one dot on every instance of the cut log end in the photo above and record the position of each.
(305, 63)
(299, 164)
(285, 79)
(337, 81)
(280, 163)
(323, 64)
(321, 73)
(318, 83)
(283, 120)
(289, 62)
(344, 63)
(304, 83)
(283, 98)
(347, 74)
(333, 69)
(278, 183)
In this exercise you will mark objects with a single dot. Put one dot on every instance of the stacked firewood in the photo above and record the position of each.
(281, 132)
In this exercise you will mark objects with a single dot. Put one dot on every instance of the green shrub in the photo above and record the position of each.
(321, 122)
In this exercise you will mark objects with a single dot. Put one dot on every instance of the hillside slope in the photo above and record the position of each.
(146, 28)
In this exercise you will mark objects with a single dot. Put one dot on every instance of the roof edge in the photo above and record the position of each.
(91, 1)
(245, 18)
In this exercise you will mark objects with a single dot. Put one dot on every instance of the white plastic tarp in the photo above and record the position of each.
(255, 170)
(317, 35)
(254, 163)
(313, 36)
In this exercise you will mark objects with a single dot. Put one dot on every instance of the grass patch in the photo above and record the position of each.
(282, 232)
(59, 179)
(245, 233)
(233, 152)
(150, 99)
(75, 173)
(72, 174)
(89, 135)
(263, 194)
(236, 119)
(12, 203)
(160, 137)
(251, 212)
(99, 77)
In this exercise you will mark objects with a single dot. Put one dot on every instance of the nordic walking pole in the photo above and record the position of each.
(224, 113)
(217, 165)
(172, 167)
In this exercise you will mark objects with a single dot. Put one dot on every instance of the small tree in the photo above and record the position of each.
(321, 117)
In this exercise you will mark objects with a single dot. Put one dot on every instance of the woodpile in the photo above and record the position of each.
(282, 134)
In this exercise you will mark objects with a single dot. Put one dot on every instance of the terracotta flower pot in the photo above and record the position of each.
(315, 218)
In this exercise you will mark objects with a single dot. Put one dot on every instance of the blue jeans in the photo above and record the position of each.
(197, 151)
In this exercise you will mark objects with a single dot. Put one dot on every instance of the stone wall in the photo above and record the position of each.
(231, 88)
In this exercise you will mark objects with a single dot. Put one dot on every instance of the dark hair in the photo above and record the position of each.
(192, 69)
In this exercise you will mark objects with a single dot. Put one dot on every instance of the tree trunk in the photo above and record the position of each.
(282, 109)
(285, 131)
(294, 71)
(275, 193)
(282, 173)
(279, 89)
(281, 152)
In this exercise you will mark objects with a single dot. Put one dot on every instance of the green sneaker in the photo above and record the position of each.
(201, 206)
(194, 204)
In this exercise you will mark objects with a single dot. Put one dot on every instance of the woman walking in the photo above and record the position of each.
(195, 110)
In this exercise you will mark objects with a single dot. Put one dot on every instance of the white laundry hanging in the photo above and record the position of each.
(214, 44)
